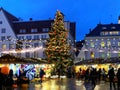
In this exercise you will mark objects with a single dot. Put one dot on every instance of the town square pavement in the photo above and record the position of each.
(64, 84)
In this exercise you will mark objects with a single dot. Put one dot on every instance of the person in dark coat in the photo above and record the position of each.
(118, 79)
(111, 75)
(1, 79)
(41, 74)
(9, 79)
(93, 75)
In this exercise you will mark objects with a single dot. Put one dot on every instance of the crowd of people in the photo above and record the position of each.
(7, 80)
(95, 75)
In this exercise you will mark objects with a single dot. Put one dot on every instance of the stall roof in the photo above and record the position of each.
(13, 59)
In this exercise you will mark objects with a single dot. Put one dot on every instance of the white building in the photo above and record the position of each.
(27, 38)
(102, 42)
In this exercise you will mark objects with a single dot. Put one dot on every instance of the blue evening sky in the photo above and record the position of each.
(86, 13)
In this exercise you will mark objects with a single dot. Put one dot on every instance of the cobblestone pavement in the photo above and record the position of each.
(64, 84)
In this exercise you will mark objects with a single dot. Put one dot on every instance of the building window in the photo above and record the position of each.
(92, 55)
(0, 22)
(102, 44)
(104, 27)
(108, 54)
(118, 43)
(114, 33)
(36, 44)
(4, 46)
(9, 38)
(34, 30)
(27, 54)
(113, 27)
(45, 29)
(3, 30)
(28, 45)
(104, 33)
(108, 44)
(29, 37)
(92, 44)
(43, 36)
(35, 54)
(119, 54)
(22, 31)
(3, 38)
(11, 46)
(21, 38)
(36, 37)
(19, 54)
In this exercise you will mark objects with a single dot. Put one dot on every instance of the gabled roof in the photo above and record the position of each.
(103, 27)
(17, 25)
(9, 16)
(27, 25)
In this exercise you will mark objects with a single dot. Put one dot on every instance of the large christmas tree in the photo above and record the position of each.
(58, 47)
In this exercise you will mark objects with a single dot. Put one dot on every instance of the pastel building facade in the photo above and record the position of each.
(102, 42)
(27, 38)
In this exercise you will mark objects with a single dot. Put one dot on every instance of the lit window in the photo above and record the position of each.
(4, 46)
(92, 54)
(118, 43)
(108, 43)
(102, 44)
(114, 33)
(92, 44)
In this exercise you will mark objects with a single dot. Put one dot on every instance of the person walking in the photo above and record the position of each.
(41, 74)
(118, 79)
(93, 76)
(111, 75)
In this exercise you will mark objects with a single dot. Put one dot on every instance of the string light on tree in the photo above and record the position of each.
(57, 47)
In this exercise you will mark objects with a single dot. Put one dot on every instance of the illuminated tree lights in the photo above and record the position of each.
(57, 47)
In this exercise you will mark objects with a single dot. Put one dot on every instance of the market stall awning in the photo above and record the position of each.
(5, 59)
(99, 61)
(10, 59)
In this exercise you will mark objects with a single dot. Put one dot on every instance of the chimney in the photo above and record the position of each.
(30, 19)
(119, 20)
